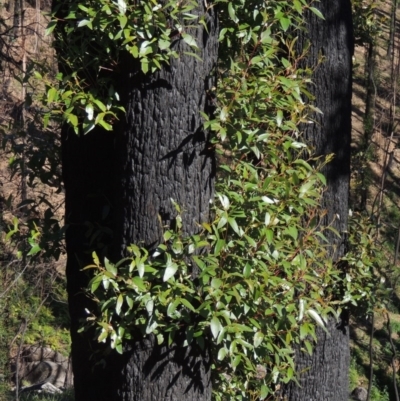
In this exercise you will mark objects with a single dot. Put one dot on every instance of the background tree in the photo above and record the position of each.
(324, 374)
(118, 190)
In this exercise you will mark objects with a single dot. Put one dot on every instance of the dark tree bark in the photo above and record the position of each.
(324, 375)
(121, 185)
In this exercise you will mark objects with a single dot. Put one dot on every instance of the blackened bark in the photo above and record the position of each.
(163, 150)
(324, 375)
(176, 373)
(121, 184)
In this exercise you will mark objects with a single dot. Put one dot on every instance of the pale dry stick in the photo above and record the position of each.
(37, 25)
(371, 356)
(14, 282)
(396, 255)
(24, 325)
(23, 95)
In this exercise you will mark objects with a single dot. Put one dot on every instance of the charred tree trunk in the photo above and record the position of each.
(324, 375)
(119, 187)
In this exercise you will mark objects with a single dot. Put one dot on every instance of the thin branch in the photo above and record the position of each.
(389, 328)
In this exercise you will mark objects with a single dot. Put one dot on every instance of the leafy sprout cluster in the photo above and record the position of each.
(93, 34)
(258, 279)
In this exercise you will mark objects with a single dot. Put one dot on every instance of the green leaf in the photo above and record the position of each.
(172, 307)
(134, 51)
(279, 118)
(102, 337)
(215, 326)
(297, 6)
(167, 235)
(317, 318)
(194, 55)
(73, 119)
(129, 301)
(219, 246)
(170, 270)
(118, 348)
(258, 339)
(232, 13)
(164, 44)
(308, 347)
(222, 221)
(37, 75)
(122, 7)
(187, 304)
(247, 270)
(190, 40)
(222, 354)
(51, 95)
(216, 283)
(122, 20)
(34, 250)
(151, 326)
(263, 392)
(87, 128)
(100, 105)
(120, 301)
(322, 178)
(145, 65)
(236, 361)
(85, 22)
(235, 227)
(105, 125)
(95, 259)
(141, 268)
(317, 12)
(139, 283)
(224, 201)
(50, 27)
(95, 282)
(306, 187)
(149, 306)
(285, 23)
(224, 114)
(110, 267)
(89, 111)
(292, 231)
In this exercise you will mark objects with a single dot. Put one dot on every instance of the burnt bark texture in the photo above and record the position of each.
(324, 375)
(118, 189)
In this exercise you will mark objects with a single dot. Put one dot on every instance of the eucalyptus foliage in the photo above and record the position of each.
(258, 278)
(92, 37)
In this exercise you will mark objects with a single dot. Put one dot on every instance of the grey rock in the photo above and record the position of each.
(359, 394)
(39, 366)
